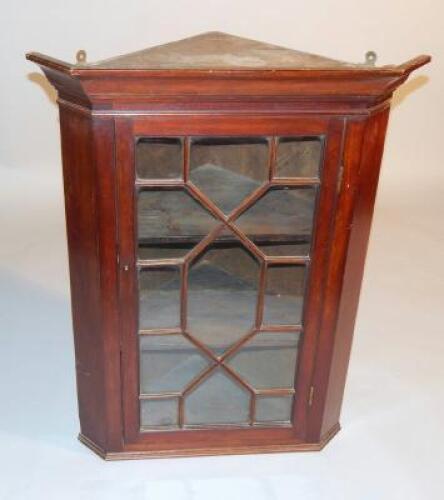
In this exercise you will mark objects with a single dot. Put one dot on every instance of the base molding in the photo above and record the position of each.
(193, 452)
(92, 446)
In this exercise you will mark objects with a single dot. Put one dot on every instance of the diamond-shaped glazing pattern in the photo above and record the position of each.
(268, 360)
(222, 295)
(217, 400)
(168, 363)
(228, 169)
(170, 223)
(222, 312)
(281, 221)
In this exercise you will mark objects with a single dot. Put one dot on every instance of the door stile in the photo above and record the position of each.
(327, 197)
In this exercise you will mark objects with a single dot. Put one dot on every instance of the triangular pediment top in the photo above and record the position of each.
(216, 66)
(217, 50)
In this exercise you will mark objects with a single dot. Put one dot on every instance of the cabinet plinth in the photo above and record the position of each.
(219, 194)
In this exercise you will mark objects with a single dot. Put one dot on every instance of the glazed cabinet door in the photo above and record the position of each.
(222, 231)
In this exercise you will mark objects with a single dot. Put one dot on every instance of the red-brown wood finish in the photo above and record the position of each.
(353, 220)
(101, 111)
(87, 149)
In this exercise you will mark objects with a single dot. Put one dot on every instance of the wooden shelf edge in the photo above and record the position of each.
(195, 452)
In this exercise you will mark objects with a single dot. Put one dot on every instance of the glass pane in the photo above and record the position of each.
(159, 158)
(284, 291)
(268, 360)
(274, 408)
(168, 363)
(298, 156)
(227, 169)
(281, 222)
(219, 399)
(158, 413)
(159, 297)
(222, 295)
(170, 223)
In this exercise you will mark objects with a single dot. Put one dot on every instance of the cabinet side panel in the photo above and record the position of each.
(105, 168)
(82, 232)
(357, 236)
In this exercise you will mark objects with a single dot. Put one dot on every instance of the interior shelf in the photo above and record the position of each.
(170, 217)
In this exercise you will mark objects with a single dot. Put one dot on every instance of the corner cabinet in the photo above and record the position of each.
(219, 193)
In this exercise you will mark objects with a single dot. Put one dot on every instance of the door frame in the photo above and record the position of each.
(223, 439)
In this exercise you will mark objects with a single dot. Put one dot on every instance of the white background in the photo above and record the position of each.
(391, 445)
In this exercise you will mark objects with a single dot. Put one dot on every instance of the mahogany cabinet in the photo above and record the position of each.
(219, 193)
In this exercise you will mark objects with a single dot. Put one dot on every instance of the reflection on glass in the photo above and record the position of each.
(158, 413)
(159, 297)
(274, 408)
(170, 223)
(280, 223)
(222, 295)
(159, 157)
(268, 360)
(219, 399)
(227, 169)
(284, 291)
(298, 156)
(168, 363)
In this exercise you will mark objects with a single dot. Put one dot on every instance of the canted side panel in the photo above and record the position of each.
(82, 232)
(363, 146)
(358, 237)
(105, 179)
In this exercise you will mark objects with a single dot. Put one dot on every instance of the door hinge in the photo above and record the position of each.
(311, 395)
